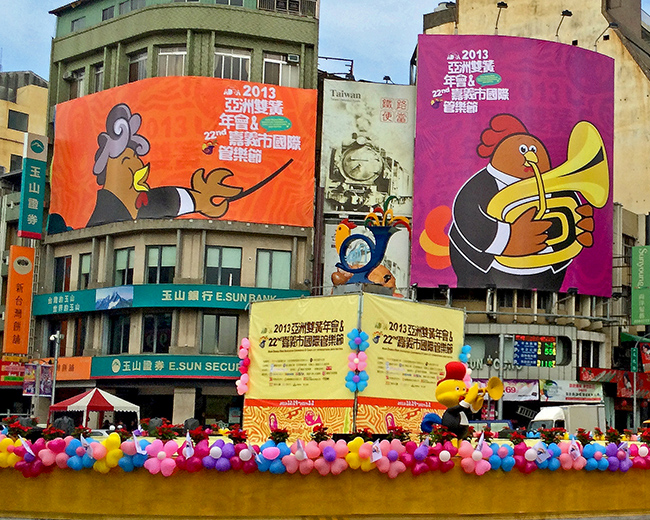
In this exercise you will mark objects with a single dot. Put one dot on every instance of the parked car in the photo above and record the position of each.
(99, 433)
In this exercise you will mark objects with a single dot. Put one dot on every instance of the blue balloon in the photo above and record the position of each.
(511, 451)
(352, 344)
(592, 464)
(507, 463)
(495, 461)
(126, 463)
(463, 358)
(364, 345)
(466, 349)
(354, 333)
(71, 448)
(554, 449)
(364, 336)
(363, 375)
(603, 464)
(554, 464)
(284, 449)
(351, 386)
(139, 459)
(75, 463)
(87, 461)
(495, 448)
(362, 385)
(277, 467)
(588, 451)
(268, 444)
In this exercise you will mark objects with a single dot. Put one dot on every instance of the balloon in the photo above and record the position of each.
(530, 455)
(477, 455)
(444, 456)
(643, 450)
(245, 343)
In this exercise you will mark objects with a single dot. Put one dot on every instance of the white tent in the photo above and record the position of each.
(95, 400)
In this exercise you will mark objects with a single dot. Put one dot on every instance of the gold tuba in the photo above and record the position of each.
(585, 172)
(494, 389)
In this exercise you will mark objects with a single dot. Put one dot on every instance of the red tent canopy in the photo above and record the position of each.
(95, 400)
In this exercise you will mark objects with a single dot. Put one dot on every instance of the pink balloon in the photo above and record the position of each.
(167, 467)
(243, 353)
(245, 343)
(383, 465)
(98, 450)
(339, 466)
(465, 449)
(171, 447)
(271, 453)
(598, 455)
(482, 467)
(152, 465)
(407, 459)
(128, 447)
(291, 463)
(322, 466)
(47, 456)
(80, 451)
(640, 463)
(468, 465)
(579, 463)
(446, 466)
(153, 448)
(565, 461)
(306, 466)
(341, 448)
(62, 460)
(312, 450)
(57, 445)
(365, 450)
(419, 468)
(244, 378)
(396, 468)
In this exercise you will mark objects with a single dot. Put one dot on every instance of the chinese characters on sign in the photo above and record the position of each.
(30, 221)
(244, 112)
(535, 351)
(394, 110)
(165, 366)
(19, 300)
(469, 73)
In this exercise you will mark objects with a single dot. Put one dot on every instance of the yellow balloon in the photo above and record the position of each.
(113, 457)
(101, 466)
(6, 442)
(12, 459)
(4, 460)
(113, 442)
(367, 465)
(353, 460)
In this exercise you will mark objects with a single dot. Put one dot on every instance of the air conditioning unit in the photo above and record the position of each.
(293, 58)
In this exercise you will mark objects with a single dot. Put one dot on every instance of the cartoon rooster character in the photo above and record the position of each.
(476, 237)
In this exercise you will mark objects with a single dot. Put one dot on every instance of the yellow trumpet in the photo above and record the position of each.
(553, 193)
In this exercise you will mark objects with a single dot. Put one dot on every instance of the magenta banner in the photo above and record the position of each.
(513, 165)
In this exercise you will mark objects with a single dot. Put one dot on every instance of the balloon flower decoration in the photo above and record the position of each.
(356, 379)
(244, 363)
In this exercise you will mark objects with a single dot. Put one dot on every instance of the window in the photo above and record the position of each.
(138, 66)
(161, 262)
(278, 71)
(524, 299)
(108, 13)
(590, 354)
(273, 269)
(628, 244)
(171, 61)
(16, 163)
(231, 63)
(219, 334)
(78, 24)
(223, 265)
(77, 84)
(157, 333)
(131, 5)
(84, 272)
(118, 341)
(505, 298)
(124, 266)
(62, 266)
(98, 77)
(544, 302)
(80, 326)
(239, 3)
(18, 121)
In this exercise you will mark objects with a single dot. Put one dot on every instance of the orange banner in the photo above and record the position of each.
(72, 368)
(189, 147)
(19, 300)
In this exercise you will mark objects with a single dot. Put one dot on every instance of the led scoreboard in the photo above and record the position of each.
(535, 351)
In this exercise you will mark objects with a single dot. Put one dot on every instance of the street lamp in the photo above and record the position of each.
(56, 337)
(612, 25)
(635, 367)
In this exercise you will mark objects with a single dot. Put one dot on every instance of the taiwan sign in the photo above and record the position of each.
(19, 300)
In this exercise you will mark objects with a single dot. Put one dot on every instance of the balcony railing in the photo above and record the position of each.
(295, 7)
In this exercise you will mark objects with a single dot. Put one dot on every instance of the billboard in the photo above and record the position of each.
(367, 146)
(186, 147)
(301, 363)
(640, 286)
(19, 300)
(30, 220)
(513, 165)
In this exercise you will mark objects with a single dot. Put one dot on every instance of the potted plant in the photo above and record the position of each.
(612, 435)
(279, 435)
(237, 435)
(517, 437)
(583, 436)
(399, 433)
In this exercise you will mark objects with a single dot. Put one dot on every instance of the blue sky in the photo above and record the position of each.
(377, 35)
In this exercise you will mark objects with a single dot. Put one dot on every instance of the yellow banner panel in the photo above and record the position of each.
(410, 344)
(379, 415)
(299, 348)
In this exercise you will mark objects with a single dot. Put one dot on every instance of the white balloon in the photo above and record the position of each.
(444, 456)
(643, 451)
(215, 452)
(301, 455)
(468, 356)
(468, 371)
(531, 454)
(245, 454)
(477, 455)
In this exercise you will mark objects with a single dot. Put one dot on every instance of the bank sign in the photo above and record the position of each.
(166, 366)
(157, 295)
